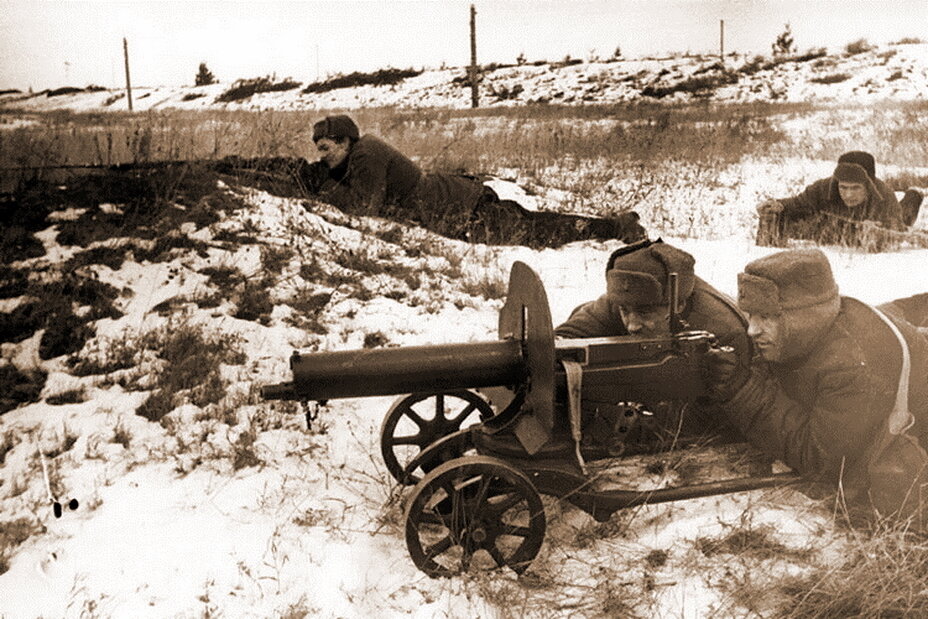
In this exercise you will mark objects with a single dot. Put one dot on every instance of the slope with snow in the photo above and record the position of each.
(898, 72)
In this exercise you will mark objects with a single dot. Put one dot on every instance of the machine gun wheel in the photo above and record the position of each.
(416, 421)
(474, 512)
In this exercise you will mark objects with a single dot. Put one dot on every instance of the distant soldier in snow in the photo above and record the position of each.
(840, 392)
(365, 175)
(852, 206)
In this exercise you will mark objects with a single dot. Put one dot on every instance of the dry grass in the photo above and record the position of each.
(884, 575)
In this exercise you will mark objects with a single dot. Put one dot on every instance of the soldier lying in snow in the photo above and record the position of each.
(851, 207)
(365, 175)
(840, 392)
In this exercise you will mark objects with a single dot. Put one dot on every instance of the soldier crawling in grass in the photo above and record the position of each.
(365, 175)
(851, 207)
(840, 392)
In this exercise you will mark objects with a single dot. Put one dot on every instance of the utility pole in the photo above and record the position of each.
(125, 53)
(722, 41)
(474, 96)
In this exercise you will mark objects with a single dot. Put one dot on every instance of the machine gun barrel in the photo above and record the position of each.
(390, 371)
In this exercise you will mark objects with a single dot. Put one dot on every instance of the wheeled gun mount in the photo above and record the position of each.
(526, 359)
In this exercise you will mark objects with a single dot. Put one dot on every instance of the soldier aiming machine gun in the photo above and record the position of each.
(485, 508)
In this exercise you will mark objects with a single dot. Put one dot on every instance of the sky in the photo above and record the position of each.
(52, 43)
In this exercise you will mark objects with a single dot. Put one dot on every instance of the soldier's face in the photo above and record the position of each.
(332, 152)
(852, 194)
(767, 332)
(646, 320)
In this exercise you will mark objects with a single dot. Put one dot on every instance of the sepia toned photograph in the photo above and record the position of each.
(463, 308)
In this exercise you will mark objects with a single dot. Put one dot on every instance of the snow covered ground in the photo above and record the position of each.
(172, 523)
(233, 508)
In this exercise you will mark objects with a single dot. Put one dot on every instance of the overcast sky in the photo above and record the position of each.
(51, 43)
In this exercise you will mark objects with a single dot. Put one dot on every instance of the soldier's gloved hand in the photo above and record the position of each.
(769, 207)
(725, 374)
(627, 228)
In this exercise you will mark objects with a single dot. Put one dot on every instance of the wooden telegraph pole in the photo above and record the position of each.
(722, 41)
(474, 96)
(125, 53)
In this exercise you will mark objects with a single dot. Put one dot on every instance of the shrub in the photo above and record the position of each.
(72, 396)
(12, 534)
(858, 47)
(908, 41)
(106, 355)
(381, 77)
(242, 89)
(190, 96)
(13, 282)
(66, 90)
(113, 257)
(63, 336)
(191, 359)
(113, 99)
(18, 243)
(755, 64)
(811, 54)
(505, 93)
(695, 85)
(834, 78)
(18, 387)
(254, 303)
(375, 340)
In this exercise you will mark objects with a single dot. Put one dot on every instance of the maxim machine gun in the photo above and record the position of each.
(557, 405)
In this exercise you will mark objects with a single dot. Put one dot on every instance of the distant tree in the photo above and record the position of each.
(784, 44)
(521, 59)
(617, 54)
(204, 77)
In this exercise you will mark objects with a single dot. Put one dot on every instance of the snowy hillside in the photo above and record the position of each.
(898, 72)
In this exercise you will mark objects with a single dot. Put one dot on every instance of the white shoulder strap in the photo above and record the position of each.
(900, 419)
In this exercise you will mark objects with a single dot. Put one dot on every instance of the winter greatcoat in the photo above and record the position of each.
(822, 197)
(377, 179)
(819, 411)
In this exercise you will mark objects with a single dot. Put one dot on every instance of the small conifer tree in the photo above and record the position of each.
(205, 77)
(784, 44)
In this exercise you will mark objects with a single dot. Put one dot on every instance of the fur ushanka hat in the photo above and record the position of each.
(798, 285)
(856, 166)
(336, 127)
(638, 277)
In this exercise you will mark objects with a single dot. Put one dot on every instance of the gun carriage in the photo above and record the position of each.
(557, 405)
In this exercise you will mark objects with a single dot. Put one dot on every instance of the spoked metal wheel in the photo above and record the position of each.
(475, 512)
(416, 421)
